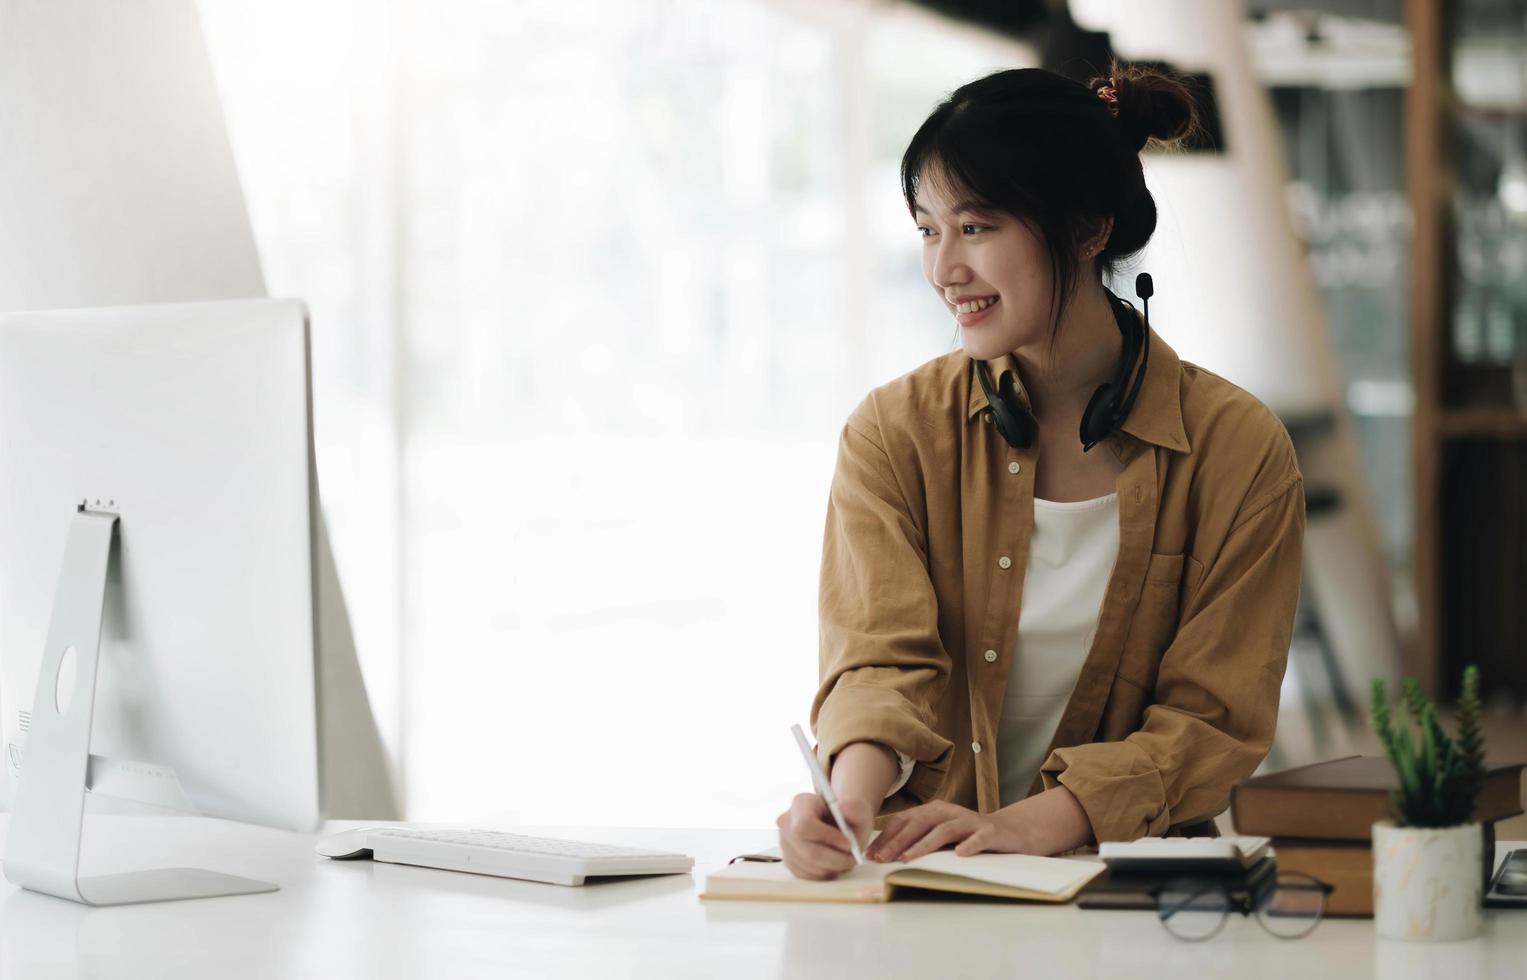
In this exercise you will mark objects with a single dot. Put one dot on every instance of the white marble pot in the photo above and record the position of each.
(1427, 881)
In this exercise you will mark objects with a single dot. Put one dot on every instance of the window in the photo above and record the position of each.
(594, 287)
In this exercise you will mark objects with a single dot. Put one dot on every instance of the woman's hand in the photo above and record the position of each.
(813, 846)
(1051, 822)
(927, 828)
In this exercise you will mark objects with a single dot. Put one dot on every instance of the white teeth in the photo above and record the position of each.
(974, 305)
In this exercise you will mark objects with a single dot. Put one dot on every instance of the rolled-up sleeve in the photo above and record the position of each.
(883, 664)
(1216, 694)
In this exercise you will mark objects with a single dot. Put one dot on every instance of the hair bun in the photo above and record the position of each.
(1151, 105)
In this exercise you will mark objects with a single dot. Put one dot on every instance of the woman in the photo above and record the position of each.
(1051, 615)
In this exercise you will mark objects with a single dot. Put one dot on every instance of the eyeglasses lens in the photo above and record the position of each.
(1294, 907)
(1192, 911)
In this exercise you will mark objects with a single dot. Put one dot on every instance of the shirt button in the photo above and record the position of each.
(991, 656)
(975, 747)
(1005, 562)
(1013, 467)
(986, 416)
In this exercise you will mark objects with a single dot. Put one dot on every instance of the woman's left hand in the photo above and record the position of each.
(926, 828)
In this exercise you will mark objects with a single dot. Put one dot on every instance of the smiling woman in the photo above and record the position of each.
(1027, 646)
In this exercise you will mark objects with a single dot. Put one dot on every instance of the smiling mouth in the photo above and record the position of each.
(977, 305)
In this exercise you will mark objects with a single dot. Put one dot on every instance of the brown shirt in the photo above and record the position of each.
(923, 561)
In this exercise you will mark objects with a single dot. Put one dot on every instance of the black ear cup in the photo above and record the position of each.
(1097, 420)
(1016, 425)
(1110, 404)
(1019, 422)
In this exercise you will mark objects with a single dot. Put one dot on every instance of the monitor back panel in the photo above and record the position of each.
(193, 422)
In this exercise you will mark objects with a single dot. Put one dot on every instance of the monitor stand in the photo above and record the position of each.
(42, 848)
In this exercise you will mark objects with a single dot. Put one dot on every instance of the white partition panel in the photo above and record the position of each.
(116, 181)
(118, 186)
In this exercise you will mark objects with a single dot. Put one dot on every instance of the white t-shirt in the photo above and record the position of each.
(1071, 557)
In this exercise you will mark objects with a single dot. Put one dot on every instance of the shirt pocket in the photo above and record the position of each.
(1154, 624)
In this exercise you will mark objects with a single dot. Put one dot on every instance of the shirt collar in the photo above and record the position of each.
(1156, 417)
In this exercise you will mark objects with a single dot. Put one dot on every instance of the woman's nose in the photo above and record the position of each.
(948, 267)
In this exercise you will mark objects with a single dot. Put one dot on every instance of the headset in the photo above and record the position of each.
(1110, 404)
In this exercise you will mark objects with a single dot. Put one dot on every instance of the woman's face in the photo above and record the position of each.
(991, 258)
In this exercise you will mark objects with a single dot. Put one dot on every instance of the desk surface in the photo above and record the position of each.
(360, 919)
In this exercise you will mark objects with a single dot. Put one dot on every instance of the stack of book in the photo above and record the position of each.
(1321, 818)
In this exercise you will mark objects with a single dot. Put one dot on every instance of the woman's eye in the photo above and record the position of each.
(965, 228)
(925, 232)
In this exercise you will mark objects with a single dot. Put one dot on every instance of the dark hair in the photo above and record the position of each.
(1055, 153)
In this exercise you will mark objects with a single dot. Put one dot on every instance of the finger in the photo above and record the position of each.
(934, 839)
(975, 843)
(887, 834)
(807, 806)
(940, 836)
(822, 829)
(813, 861)
(827, 862)
(920, 821)
(892, 847)
(798, 865)
(824, 835)
(810, 822)
(916, 823)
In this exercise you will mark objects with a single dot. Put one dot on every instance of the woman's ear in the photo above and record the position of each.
(1093, 238)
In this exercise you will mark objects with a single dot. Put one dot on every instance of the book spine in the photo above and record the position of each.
(1306, 814)
(1346, 868)
(1335, 815)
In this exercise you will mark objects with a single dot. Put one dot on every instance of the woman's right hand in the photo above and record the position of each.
(809, 838)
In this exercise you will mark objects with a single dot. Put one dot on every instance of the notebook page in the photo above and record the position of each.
(1050, 875)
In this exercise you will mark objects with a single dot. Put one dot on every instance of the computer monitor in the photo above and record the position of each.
(159, 495)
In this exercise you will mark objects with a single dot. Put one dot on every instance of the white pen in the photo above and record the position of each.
(824, 789)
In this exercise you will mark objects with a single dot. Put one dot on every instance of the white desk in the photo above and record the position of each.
(359, 919)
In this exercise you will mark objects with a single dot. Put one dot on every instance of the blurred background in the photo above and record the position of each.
(594, 285)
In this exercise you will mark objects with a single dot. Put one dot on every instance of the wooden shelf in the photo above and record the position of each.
(1469, 555)
(1482, 423)
(1475, 110)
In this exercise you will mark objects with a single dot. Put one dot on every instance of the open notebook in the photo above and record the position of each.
(1039, 879)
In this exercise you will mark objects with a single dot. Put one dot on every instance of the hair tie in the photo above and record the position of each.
(1110, 95)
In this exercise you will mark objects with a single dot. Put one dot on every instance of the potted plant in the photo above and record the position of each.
(1426, 877)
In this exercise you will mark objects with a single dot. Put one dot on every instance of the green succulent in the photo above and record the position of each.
(1440, 779)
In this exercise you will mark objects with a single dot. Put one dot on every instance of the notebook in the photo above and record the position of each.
(1020, 876)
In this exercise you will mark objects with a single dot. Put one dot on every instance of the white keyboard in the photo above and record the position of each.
(1185, 853)
(490, 852)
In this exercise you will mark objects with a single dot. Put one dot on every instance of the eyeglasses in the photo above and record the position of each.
(1289, 906)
